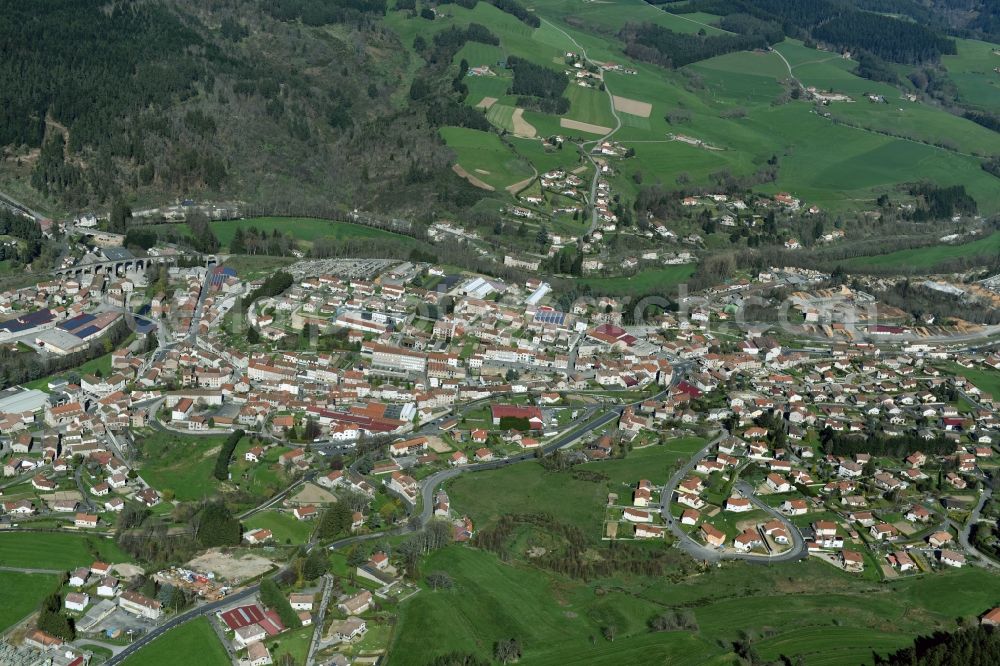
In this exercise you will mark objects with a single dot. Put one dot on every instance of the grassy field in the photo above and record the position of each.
(984, 379)
(971, 69)
(529, 488)
(251, 267)
(484, 156)
(809, 609)
(181, 464)
(501, 115)
(100, 364)
(732, 102)
(21, 595)
(925, 257)
(589, 105)
(50, 550)
(295, 644)
(647, 281)
(551, 618)
(303, 228)
(285, 527)
(190, 643)
(263, 478)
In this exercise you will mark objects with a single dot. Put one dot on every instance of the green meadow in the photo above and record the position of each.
(735, 102)
(556, 620)
(644, 282)
(925, 257)
(529, 488)
(54, 550)
(985, 379)
(181, 464)
(22, 594)
(484, 156)
(191, 643)
(302, 228)
(285, 527)
(972, 72)
(808, 609)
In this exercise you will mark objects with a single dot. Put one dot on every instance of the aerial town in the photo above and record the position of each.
(334, 400)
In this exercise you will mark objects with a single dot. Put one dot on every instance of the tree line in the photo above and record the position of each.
(274, 284)
(517, 10)
(221, 471)
(969, 646)
(660, 46)
(839, 25)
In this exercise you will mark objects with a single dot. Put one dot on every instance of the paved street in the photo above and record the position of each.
(702, 552)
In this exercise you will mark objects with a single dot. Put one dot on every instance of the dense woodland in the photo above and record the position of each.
(840, 24)
(975, 646)
(218, 98)
(537, 87)
(661, 46)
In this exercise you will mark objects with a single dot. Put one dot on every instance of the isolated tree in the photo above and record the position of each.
(507, 651)
(440, 580)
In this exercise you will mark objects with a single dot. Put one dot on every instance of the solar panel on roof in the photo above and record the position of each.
(76, 322)
(550, 317)
(90, 330)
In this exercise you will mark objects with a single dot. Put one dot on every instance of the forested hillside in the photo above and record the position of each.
(293, 104)
(846, 25)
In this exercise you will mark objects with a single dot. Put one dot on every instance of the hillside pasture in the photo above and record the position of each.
(972, 71)
(55, 550)
(644, 282)
(925, 257)
(483, 155)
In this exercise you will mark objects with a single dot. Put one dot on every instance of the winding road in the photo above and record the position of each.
(702, 552)
(583, 145)
(965, 531)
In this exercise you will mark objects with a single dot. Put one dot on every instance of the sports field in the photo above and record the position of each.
(53, 550)
(191, 643)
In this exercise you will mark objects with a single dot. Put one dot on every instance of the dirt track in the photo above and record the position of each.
(472, 179)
